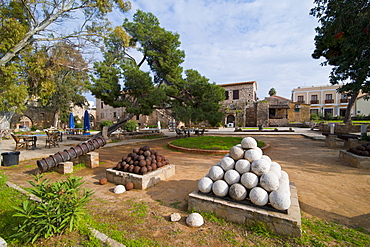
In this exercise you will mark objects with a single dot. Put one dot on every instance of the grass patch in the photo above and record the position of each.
(210, 142)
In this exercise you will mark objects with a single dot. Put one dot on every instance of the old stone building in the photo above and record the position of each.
(237, 98)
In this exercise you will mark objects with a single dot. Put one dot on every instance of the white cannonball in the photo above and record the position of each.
(259, 196)
(119, 189)
(269, 181)
(265, 157)
(243, 166)
(253, 154)
(280, 199)
(216, 173)
(227, 163)
(249, 142)
(238, 192)
(276, 168)
(284, 183)
(236, 153)
(260, 167)
(194, 220)
(249, 180)
(220, 188)
(284, 175)
(227, 155)
(232, 177)
(205, 185)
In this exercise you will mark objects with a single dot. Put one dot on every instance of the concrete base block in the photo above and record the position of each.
(141, 182)
(351, 143)
(64, 168)
(331, 141)
(354, 160)
(286, 222)
(90, 160)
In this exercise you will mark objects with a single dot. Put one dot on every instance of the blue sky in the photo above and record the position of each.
(235, 41)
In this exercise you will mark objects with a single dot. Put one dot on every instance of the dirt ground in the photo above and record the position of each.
(327, 188)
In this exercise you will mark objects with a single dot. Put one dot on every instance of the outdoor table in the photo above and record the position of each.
(187, 132)
(32, 138)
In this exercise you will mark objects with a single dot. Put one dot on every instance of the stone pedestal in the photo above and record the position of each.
(141, 182)
(331, 141)
(64, 168)
(286, 222)
(354, 160)
(351, 143)
(90, 160)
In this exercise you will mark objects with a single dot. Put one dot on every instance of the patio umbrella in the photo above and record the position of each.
(71, 123)
(86, 121)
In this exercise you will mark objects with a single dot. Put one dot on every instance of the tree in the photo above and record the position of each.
(26, 23)
(161, 88)
(343, 39)
(272, 91)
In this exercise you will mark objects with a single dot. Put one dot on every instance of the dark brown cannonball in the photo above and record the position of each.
(148, 162)
(125, 168)
(131, 162)
(124, 158)
(149, 168)
(136, 157)
(142, 163)
(135, 150)
(137, 169)
(140, 151)
(118, 166)
(129, 186)
(153, 151)
(143, 170)
(154, 161)
(365, 153)
(128, 159)
(362, 148)
(146, 148)
(159, 158)
(131, 168)
(147, 153)
(131, 155)
(136, 163)
(159, 164)
(103, 181)
(154, 166)
(141, 157)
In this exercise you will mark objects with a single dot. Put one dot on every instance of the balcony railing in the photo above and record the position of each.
(329, 101)
(344, 100)
(301, 101)
(314, 101)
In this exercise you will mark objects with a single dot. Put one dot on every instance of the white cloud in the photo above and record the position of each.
(232, 41)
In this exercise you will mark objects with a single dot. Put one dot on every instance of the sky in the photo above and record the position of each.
(229, 41)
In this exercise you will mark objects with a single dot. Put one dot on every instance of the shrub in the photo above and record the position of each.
(79, 125)
(130, 126)
(105, 123)
(61, 208)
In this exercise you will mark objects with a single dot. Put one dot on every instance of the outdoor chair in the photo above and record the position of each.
(200, 132)
(21, 143)
(52, 139)
(179, 133)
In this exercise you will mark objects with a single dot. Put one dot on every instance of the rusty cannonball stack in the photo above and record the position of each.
(363, 150)
(141, 161)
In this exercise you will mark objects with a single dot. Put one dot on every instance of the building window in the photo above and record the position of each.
(137, 117)
(114, 114)
(300, 99)
(314, 111)
(314, 99)
(235, 94)
(328, 112)
(101, 104)
(226, 95)
(329, 96)
(344, 98)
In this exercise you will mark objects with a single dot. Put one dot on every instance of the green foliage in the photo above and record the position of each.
(343, 39)
(105, 123)
(62, 208)
(190, 99)
(272, 91)
(130, 126)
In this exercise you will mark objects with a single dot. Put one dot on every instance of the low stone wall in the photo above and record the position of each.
(341, 128)
(354, 160)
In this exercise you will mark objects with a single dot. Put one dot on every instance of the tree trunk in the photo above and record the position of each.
(347, 116)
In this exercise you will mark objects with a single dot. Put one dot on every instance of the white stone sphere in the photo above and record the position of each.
(249, 142)
(238, 192)
(284, 183)
(119, 189)
(284, 175)
(276, 168)
(243, 166)
(220, 188)
(227, 163)
(260, 167)
(265, 157)
(232, 177)
(259, 196)
(269, 181)
(227, 155)
(236, 153)
(249, 180)
(205, 185)
(216, 173)
(194, 220)
(280, 199)
(253, 154)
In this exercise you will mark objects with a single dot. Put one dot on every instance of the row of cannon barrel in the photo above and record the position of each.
(52, 161)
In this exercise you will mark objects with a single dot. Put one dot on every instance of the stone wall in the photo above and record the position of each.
(41, 117)
(262, 114)
(341, 128)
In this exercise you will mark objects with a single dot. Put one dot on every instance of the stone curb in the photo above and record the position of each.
(203, 151)
(101, 236)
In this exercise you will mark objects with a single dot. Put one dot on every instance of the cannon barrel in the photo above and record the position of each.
(46, 164)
